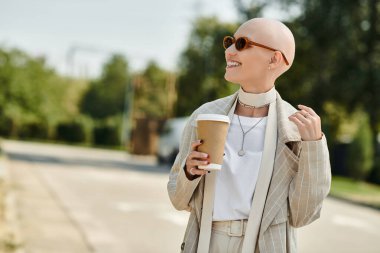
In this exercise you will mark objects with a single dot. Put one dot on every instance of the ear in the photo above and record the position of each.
(276, 60)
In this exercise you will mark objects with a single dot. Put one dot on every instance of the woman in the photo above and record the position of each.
(276, 169)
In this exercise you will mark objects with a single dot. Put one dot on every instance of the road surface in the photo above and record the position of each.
(81, 200)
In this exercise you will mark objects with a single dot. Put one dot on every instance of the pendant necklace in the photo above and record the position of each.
(242, 151)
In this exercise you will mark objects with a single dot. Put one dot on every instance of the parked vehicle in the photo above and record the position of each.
(168, 144)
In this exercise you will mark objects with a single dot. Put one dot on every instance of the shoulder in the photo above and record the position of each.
(215, 105)
(286, 108)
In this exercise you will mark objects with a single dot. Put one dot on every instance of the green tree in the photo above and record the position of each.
(202, 66)
(360, 152)
(250, 9)
(106, 96)
(31, 94)
(152, 92)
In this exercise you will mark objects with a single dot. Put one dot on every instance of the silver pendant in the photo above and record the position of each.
(241, 152)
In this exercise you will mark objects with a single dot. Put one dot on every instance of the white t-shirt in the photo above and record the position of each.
(236, 181)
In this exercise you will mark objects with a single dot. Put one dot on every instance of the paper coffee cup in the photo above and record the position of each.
(212, 130)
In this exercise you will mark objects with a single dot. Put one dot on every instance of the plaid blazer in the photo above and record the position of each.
(300, 181)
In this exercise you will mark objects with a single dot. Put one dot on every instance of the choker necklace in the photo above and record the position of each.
(242, 151)
(251, 107)
(260, 100)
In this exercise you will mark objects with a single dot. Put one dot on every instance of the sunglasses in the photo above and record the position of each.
(243, 43)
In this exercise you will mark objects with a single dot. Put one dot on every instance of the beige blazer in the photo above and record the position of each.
(300, 181)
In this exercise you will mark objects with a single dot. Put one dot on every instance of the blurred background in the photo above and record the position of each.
(94, 96)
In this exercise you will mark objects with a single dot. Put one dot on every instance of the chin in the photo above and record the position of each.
(231, 79)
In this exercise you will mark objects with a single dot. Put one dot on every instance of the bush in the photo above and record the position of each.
(106, 135)
(33, 131)
(70, 132)
(361, 151)
(375, 173)
(5, 126)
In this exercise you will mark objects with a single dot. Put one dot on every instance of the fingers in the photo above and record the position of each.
(308, 123)
(194, 171)
(300, 117)
(196, 159)
(296, 121)
(195, 162)
(198, 155)
(195, 144)
(306, 115)
(307, 109)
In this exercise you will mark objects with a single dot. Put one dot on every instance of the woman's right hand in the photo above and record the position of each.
(194, 159)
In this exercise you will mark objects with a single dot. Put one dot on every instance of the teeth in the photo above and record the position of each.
(233, 64)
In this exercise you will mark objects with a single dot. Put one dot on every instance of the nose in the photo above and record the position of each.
(230, 50)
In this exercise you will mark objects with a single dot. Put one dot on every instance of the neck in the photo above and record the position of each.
(258, 86)
(254, 104)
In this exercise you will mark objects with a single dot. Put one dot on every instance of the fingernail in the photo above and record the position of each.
(205, 155)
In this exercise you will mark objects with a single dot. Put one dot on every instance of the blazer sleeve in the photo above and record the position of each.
(180, 188)
(311, 184)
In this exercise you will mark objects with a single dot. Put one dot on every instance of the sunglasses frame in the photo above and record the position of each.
(249, 42)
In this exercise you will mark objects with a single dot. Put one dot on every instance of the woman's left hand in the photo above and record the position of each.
(308, 123)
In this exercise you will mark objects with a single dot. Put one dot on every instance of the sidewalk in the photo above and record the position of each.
(44, 225)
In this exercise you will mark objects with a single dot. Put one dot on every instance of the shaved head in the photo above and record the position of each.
(272, 33)
(257, 67)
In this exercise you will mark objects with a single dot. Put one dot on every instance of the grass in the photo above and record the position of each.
(356, 191)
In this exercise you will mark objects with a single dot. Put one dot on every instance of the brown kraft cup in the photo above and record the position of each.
(212, 130)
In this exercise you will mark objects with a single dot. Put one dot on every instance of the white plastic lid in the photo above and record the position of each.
(215, 117)
(211, 166)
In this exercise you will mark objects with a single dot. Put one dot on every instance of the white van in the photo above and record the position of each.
(170, 137)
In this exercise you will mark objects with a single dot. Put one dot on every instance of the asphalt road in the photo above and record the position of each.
(81, 200)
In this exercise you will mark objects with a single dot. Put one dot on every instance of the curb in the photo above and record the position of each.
(12, 236)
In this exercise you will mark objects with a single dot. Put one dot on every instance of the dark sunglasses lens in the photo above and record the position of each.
(240, 44)
(227, 42)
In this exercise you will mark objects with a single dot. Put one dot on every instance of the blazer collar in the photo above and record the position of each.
(287, 130)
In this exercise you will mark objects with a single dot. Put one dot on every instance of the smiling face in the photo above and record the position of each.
(257, 66)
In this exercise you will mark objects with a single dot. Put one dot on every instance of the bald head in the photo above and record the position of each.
(271, 33)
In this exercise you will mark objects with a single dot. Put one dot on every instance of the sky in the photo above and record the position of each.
(77, 36)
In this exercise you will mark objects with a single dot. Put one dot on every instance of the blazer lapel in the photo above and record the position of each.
(282, 171)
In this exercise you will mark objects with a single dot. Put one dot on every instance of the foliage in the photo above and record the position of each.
(337, 55)
(374, 177)
(202, 66)
(106, 96)
(70, 132)
(106, 135)
(32, 94)
(250, 10)
(360, 153)
(152, 92)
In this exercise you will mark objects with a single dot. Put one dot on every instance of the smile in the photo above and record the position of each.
(233, 64)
